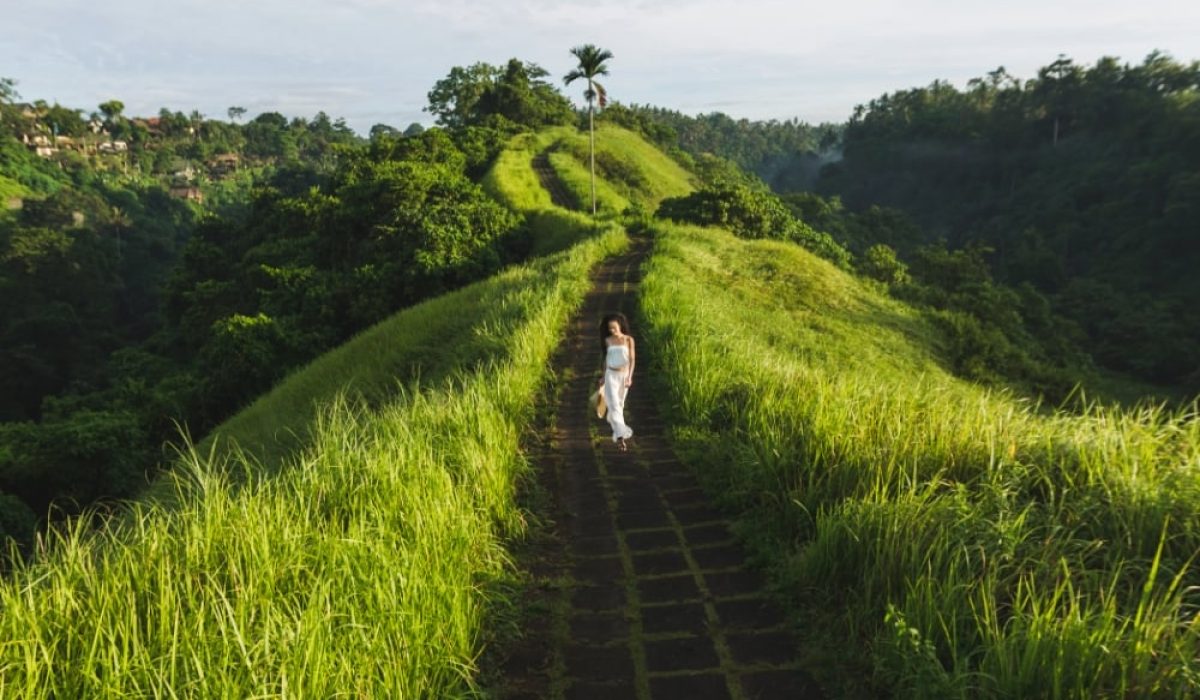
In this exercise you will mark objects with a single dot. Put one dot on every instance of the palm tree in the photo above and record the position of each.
(591, 64)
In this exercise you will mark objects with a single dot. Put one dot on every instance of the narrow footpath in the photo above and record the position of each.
(559, 194)
(642, 592)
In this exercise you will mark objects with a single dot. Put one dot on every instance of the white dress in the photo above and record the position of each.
(616, 366)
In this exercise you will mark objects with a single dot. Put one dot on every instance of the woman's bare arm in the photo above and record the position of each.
(632, 358)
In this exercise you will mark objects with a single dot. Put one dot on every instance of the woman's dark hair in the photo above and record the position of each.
(621, 321)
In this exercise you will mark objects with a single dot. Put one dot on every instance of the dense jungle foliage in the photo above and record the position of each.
(158, 274)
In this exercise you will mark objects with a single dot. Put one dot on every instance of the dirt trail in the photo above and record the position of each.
(644, 593)
(559, 194)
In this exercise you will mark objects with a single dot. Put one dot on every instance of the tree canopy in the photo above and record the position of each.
(1083, 182)
(485, 95)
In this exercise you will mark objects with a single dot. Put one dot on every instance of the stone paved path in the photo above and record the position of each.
(644, 594)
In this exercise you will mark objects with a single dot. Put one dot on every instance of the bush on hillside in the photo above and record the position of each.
(76, 459)
(994, 334)
(880, 263)
(749, 213)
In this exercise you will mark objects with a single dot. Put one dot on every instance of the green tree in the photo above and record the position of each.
(751, 213)
(112, 109)
(879, 262)
(243, 358)
(591, 63)
(484, 95)
(64, 121)
(519, 95)
(381, 130)
(1058, 87)
(454, 98)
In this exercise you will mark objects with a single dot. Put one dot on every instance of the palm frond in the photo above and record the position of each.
(601, 93)
(591, 59)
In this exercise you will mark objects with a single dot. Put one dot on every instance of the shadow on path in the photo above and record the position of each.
(559, 194)
(643, 591)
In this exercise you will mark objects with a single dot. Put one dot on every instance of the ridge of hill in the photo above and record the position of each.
(374, 485)
(936, 538)
(630, 171)
(433, 341)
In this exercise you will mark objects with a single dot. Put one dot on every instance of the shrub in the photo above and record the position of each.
(750, 213)
(879, 262)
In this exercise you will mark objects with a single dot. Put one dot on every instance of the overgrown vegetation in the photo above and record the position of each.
(513, 97)
(785, 154)
(942, 536)
(1082, 182)
(996, 334)
(1079, 183)
(364, 564)
(128, 313)
(95, 214)
(940, 539)
(751, 213)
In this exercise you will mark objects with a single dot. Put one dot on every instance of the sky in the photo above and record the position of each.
(374, 61)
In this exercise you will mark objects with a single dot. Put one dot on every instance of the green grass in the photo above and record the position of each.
(938, 539)
(11, 188)
(650, 175)
(629, 170)
(364, 567)
(513, 182)
(427, 342)
(422, 342)
(345, 533)
(511, 179)
(573, 173)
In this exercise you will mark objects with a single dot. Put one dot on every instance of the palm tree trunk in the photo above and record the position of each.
(592, 151)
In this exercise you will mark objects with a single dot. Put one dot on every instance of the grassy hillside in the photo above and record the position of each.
(969, 544)
(363, 565)
(511, 179)
(938, 539)
(629, 171)
(426, 342)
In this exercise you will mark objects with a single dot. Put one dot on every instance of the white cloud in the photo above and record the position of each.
(367, 59)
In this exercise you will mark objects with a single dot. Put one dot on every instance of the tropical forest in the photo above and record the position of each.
(290, 410)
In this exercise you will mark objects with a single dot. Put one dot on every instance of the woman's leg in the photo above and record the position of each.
(628, 430)
(614, 395)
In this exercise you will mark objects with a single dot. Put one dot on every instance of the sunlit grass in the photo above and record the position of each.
(512, 180)
(660, 175)
(978, 545)
(514, 183)
(650, 175)
(424, 342)
(360, 567)
(638, 173)
(341, 535)
(573, 173)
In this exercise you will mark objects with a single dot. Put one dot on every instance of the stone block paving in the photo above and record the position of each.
(654, 599)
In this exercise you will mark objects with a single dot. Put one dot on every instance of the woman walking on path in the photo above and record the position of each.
(618, 373)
